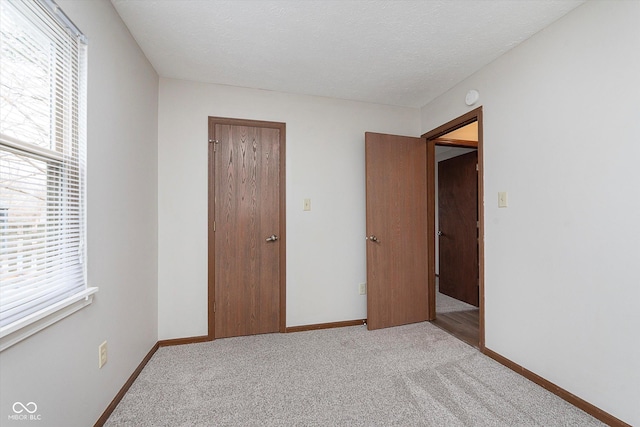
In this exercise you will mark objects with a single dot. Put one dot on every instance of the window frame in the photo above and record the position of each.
(69, 153)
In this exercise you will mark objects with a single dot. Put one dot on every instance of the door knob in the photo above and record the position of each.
(272, 238)
(372, 238)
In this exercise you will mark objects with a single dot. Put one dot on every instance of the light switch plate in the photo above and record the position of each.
(502, 199)
(306, 206)
(362, 288)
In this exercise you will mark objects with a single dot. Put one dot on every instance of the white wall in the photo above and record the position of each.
(325, 162)
(58, 367)
(561, 127)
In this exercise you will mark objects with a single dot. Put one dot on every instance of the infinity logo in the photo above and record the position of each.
(23, 407)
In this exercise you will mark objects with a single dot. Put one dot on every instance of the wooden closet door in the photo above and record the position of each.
(246, 180)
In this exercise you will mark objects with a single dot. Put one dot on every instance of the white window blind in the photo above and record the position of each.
(42, 161)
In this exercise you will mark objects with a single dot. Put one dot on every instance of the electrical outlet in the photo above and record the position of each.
(102, 354)
(363, 288)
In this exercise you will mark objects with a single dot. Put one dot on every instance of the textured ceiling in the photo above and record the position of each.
(384, 51)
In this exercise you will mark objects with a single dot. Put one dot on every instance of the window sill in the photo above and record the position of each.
(17, 331)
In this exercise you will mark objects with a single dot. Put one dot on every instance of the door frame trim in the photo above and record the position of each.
(431, 137)
(212, 121)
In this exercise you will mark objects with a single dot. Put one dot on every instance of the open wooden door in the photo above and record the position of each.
(396, 192)
(458, 220)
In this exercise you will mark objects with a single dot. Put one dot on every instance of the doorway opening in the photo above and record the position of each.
(456, 248)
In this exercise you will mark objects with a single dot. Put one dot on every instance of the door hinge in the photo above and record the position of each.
(477, 167)
(214, 306)
(214, 226)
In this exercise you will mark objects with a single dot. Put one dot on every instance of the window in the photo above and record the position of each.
(42, 168)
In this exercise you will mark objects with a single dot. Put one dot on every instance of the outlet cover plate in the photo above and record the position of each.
(102, 354)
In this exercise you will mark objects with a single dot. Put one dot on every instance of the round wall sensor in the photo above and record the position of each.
(472, 97)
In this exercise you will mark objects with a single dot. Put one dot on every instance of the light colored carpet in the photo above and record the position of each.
(413, 375)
